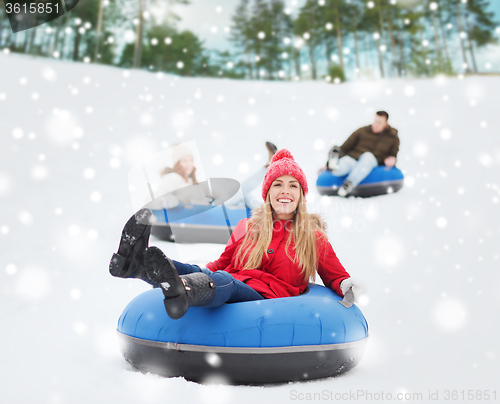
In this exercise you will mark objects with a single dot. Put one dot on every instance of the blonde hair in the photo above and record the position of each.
(306, 229)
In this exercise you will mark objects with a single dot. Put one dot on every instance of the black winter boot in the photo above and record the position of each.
(180, 291)
(128, 262)
(272, 149)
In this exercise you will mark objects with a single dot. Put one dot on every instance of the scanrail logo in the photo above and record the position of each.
(26, 14)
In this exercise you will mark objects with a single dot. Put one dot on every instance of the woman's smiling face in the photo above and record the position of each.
(186, 165)
(284, 195)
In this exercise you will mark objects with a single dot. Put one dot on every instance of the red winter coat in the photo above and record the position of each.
(277, 275)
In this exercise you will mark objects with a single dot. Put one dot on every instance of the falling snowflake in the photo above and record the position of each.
(25, 217)
(445, 134)
(218, 159)
(5, 183)
(319, 144)
(10, 269)
(388, 251)
(75, 294)
(243, 167)
(409, 91)
(95, 196)
(450, 314)
(441, 222)
(39, 172)
(17, 133)
(33, 284)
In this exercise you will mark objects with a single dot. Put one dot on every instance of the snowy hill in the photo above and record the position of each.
(428, 254)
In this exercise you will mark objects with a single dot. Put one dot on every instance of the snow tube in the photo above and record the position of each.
(296, 338)
(380, 181)
(196, 224)
(200, 223)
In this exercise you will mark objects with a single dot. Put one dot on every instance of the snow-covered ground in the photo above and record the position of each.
(428, 254)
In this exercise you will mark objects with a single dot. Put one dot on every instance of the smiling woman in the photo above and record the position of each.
(284, 195)
(273, 254)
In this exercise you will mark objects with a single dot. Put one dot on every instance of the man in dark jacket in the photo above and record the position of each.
(367, 148)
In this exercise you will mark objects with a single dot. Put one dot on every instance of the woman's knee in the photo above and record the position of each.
(225, 288)
(206, 271)
(222, 278)
(184, 269)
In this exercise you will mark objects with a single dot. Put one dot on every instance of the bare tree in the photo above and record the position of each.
(98, 31)
(138, 36)
(460, 35)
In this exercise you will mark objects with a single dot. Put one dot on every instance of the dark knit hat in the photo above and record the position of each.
(283, 163)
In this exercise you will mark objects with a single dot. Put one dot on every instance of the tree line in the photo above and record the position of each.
(141, 34)
(384, 37)
(324, 38)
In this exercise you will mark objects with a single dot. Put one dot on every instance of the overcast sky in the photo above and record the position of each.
(209, 18)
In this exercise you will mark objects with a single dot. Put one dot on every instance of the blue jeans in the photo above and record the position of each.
(358, 170)
(228, 289)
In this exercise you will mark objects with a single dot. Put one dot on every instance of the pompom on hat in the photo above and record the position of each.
(283, 163)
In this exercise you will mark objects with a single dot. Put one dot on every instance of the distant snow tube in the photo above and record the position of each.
(189, 223)
(380, 181)
(196, 224)
(297, 338)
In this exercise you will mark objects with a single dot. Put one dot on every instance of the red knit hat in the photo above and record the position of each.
(283, 163)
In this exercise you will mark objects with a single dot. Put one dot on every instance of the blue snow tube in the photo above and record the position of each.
(196, 224)
(211, 223)
(296, 338)
(380, 181)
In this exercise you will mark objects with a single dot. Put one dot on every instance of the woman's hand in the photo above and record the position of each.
(356, 286)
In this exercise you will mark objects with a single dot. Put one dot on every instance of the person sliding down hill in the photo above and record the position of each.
(175, 179)
(180, 175)
(368, 147)
(273, 254)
